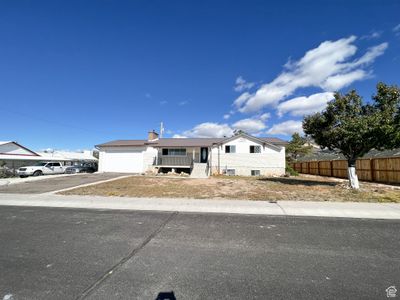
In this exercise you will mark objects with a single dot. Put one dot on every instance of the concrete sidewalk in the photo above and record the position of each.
(281, 208)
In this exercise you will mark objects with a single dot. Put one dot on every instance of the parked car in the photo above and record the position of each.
(83, 168)
(42, 168)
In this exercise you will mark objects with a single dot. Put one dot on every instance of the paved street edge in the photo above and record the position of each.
(280, 208)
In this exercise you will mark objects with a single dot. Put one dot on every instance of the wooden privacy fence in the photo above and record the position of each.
(385, 170)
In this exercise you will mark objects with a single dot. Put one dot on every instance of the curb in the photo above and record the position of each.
(354, 210)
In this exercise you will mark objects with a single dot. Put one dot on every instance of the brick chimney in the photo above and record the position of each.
(152, 136)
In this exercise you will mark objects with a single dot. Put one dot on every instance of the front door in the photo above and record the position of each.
(203, 154)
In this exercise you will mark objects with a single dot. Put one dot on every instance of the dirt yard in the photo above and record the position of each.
(304, 187)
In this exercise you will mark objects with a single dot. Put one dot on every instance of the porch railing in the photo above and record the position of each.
(167, 160)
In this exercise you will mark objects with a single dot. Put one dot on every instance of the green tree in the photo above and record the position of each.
(297, 147)
(238, 132)
(353, 128)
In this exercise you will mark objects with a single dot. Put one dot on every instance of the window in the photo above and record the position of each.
(255, 172)
(230, 149)
(255, 149)
(174, 152)
(230, 172)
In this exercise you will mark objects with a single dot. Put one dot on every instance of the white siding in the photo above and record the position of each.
(271, 161)
(121, 159)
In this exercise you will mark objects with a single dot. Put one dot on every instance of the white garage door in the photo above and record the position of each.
(120, 161)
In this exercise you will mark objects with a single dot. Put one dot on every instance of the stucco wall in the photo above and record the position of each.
(148, 158)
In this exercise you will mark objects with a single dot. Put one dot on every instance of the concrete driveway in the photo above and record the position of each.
(55, 183)
(53, 253)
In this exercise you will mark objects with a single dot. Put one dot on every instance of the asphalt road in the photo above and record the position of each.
(50, 253)
(56, 183)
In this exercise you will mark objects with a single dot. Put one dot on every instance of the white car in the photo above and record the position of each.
(43, 168)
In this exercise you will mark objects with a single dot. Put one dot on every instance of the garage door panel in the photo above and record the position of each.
(119, 161)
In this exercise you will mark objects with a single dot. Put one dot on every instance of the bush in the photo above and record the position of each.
(5, 172)
(291, 171)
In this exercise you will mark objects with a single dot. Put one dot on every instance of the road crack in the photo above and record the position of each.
(125, 259)
(282, 209)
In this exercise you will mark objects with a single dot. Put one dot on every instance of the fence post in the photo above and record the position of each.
(387, 169)
(331, 166)
(318, 168)
(371, 167)
(308, 167)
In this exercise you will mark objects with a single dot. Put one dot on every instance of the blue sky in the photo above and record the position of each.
(77, 73)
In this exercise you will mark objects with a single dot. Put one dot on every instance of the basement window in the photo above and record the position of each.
(255, 172)
(230, 149)
(230, 172)
(255, 149)
(174, 152)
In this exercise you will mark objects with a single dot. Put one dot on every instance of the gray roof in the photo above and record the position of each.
(124, 143)
(186, 142)
(181, 142)
(274, 141)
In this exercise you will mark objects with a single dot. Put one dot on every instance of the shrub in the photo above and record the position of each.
(291, 171)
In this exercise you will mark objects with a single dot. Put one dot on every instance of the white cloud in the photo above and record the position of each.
(249, 125)
(372, 35)
(264, 116)
(241, 84)
(287, 128)
(339, 81)
(163, 102)
(301, 106)
(396, 29)
(209, 129)
(242, 99)
(371, 54)
(327, 66)
(182, 103)
(179, 136)
(254, 125)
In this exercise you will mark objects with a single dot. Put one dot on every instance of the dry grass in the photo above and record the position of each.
(304, 187)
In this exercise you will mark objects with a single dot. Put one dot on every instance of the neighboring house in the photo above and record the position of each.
(241, 154)
(13, 156)
(69, 157)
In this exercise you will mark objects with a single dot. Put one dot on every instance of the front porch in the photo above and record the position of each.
(181, 157)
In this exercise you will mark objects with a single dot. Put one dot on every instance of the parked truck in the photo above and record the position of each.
(42, 168)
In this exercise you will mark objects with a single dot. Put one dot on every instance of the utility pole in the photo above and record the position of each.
(161, 129)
